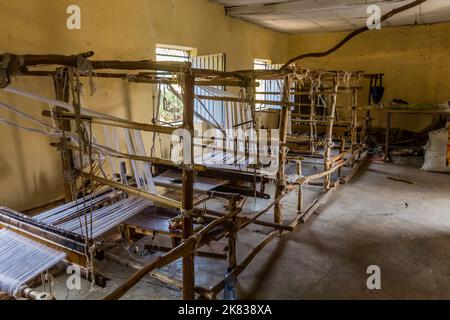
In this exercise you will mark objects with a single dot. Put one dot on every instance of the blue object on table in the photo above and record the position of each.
(377, 91)
(377, 94)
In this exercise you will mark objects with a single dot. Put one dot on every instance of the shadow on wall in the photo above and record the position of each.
(127, 100)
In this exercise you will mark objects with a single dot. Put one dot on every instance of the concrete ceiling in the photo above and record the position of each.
(294, 16)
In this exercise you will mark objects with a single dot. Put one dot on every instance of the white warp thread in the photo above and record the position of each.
(22, 259)
(235, 114)
(105, 218)
(135, 145)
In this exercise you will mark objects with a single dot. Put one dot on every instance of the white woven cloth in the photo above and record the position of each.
(22, 259)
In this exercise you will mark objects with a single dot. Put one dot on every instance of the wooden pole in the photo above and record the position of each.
(245, 220)
(135, 191)
(342, 151)
(300, 187)
(281, 183)
(316, 176)
(329, 136)
(241, 267)
(354, 125)
(161, 261)
(115, 122)
(61, 84)
(388, 131)
(232, 236)
(188, 186)
(120, 155)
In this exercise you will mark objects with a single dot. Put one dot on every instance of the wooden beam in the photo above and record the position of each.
(232, 236)
(62, 92)
(136, 266)
(153, 160)
(321, 174)
(355, 169)
(159, 262)
(121, 123)
(290, 7)
(281, 183)
(244, 100)
(329, 136)
(323, 200)
(188, 186)
(241, 267)
(135, 191)
(246, 220)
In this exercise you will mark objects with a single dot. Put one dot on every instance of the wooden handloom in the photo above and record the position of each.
(215, 225)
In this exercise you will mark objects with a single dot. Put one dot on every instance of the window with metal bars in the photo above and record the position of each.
(171, 54)
(209, 110)
(171, 108)
(268, 90)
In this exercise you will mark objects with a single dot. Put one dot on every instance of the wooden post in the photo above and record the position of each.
(359, 142)
(62, 92)
(354, 125)
(281, 183)
(232, 236)
(329, 136)
(300, 187)
(388, 131)
(251, 98)
(341, 150)
(188, 186)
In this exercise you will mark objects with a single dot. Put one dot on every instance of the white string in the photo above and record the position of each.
(236, 113)
(105, 216)
(146, 166)
(108, 217)
(22, 259)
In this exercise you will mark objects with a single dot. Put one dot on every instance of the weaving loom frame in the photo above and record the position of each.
(230, 221)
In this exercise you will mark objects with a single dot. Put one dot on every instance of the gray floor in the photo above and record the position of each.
(402, 228)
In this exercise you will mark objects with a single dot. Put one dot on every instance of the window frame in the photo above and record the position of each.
(165, 57)
(264, 85)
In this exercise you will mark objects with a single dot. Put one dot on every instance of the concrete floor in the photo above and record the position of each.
(402, 228)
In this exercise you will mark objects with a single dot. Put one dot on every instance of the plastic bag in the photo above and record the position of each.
(436, 152)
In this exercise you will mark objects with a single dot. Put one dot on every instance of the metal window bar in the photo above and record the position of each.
(216, 109)
(269, 85)
(171, 54)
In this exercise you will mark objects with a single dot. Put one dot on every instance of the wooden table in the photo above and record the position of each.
(389, 113)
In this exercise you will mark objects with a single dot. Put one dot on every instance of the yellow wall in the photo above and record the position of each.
(415, 61)
(114, 29)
